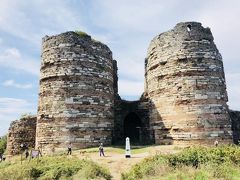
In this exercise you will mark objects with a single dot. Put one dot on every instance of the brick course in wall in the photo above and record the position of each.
(184, 98)
(76, 96)
(186, 87)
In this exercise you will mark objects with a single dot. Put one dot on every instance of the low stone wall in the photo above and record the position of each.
(21, 131)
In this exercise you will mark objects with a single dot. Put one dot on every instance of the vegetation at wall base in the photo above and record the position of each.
(192, 163)
(3, 144)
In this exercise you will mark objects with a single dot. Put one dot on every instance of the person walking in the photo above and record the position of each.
(69, 149)
(101, 150)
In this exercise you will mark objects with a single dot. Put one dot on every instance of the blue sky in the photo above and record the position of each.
(127, 27)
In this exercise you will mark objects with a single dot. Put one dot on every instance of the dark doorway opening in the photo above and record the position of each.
(132, 128)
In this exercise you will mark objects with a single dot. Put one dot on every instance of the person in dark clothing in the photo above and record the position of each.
(1, 156)
(69, 149)
(101, 150)
(26, 153)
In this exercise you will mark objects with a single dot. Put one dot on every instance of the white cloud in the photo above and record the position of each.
(135, 15)
(12, 83)
(222, 19)
(233, 89)
(12, 58)
(130, 88)
(135, 23)
(31, 20)
(125, 26)
(11, 109)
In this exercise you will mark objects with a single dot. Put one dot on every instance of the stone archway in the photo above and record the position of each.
(132, 127)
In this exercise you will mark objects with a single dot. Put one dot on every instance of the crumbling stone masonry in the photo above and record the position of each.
(21, 131)
(184, 100)
(76, 99)
(185, 85)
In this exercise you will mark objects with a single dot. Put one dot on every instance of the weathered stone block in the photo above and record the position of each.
(21, 131)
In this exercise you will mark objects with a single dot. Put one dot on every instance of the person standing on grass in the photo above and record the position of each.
(26, 153)
(216, 143)
(101, 150)
(69, 149)
(1, 156)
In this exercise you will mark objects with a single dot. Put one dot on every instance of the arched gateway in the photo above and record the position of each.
(133, 127)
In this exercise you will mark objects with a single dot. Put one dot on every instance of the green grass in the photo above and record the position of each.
(81, 33)
(56, 167)
(198, 163)
(3, 144)
(84, 34)
(106, 149)
(119, 149)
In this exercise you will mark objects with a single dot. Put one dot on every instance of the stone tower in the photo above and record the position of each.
(76, 93)
(185, 85)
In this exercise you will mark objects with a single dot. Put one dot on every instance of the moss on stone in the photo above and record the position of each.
(82, 33)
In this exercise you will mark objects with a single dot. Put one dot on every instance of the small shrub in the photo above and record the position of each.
(202, 155)
(82, 33)
(25, 115)
(198, 163)
(148, 167)
(94, 171)
(35, 173)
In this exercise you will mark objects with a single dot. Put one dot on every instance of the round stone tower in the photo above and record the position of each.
(76, 93)
(185, 84)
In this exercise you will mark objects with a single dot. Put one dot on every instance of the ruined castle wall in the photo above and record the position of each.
(186, 87)
(21, 131)
(235, 119)
(115, 80)
(76, 93)
(122, 109)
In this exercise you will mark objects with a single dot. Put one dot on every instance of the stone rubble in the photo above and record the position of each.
(21, 131)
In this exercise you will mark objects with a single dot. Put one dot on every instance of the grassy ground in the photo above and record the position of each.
(115, 159)
(120, 149)
(198, 163)
(146, 162)
(55, 167)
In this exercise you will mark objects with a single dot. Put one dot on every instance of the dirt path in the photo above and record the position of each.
(117, 163)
